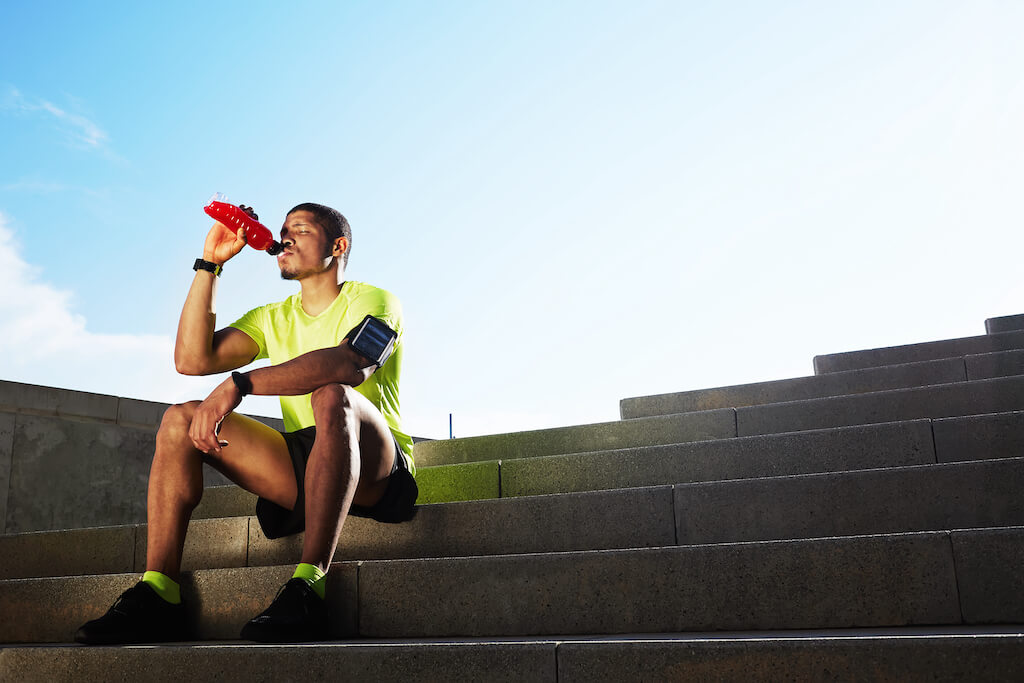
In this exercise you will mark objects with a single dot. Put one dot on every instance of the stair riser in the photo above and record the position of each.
(713, 424)
(825, 583)
(836, 583)
(943, 371)
(946, 400)
(948, 658)
(937, 659)
(965, 495)
(352, 663)
(895, 500)
(220, 601)
(908, 443)
(913, 353)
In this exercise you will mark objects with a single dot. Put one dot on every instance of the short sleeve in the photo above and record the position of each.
(252, 323)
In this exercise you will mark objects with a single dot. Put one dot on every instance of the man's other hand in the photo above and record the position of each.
(210, 413)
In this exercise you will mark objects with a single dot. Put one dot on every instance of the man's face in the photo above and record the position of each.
(307, 250)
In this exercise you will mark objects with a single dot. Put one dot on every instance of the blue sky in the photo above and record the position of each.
(576, 201)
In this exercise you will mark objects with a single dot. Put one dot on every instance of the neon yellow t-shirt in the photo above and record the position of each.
(284, 331)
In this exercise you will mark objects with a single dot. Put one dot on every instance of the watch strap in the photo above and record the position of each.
(210, 266)
(243, 383)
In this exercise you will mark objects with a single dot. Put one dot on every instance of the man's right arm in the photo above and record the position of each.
(198, 349)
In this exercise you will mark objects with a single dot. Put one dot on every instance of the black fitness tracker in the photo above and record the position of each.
(242, 382)
(373, 339)
(209, 266)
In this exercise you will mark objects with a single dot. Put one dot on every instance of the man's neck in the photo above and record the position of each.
(319, 291)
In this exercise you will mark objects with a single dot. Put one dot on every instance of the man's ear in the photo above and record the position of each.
(340, 246)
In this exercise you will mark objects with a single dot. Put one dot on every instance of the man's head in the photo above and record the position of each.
(331, 222)
(315, 238)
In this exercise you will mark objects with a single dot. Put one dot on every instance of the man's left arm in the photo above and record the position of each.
(303, 374)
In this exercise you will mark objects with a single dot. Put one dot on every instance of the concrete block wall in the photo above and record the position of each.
(71, 459)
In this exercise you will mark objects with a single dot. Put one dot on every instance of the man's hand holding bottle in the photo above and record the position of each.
(222, 243)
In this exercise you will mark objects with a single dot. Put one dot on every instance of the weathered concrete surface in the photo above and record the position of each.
(796, 389)
(219, 601)
(351, 662)
(224, 501)
(912, 353)
(50, 610)
(920, 498)
(829, 583)
(462, 481)
(941, 400)
(632, 518)
(989, 365)
(990, 574)
(862, 447)
(67, 474)
(225, 599)
(103, 550)
(1006, 323)
(209, 543)
(979, 437)
(6, 454)
(652, 431)
(39, 400)
(775, 657)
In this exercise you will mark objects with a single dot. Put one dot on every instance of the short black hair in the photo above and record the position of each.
(331, 220)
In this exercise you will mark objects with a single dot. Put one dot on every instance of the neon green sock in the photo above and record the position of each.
(312, 575)
(164, 586)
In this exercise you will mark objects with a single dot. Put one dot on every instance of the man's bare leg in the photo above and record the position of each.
(256, 459)
(350, 461)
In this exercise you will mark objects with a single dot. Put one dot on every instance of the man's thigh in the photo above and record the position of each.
(377, 450)
(257, 459)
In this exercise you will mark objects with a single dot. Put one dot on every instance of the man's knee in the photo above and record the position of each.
(332, 400)
(178, 417)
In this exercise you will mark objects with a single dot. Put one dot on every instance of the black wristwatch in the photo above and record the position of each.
(242, 382)
(210, 266)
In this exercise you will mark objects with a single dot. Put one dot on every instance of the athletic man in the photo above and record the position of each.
(336, 354)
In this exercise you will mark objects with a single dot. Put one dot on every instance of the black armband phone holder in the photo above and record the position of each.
(373, 339)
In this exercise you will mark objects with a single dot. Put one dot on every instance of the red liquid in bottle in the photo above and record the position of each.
(257, 235)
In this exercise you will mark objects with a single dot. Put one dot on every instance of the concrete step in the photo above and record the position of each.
(975, 397)
(630, 518)
(912, 442)
(847, 448)
(892, 500)
(905, 654)
(828, 450)
(912, 353)
(999, 364)
(1006, 323)
(944, 371)
(909, 375)
(937, 578)
(710, 424)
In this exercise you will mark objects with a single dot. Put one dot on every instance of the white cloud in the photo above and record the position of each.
(80, 130)
(43, 341)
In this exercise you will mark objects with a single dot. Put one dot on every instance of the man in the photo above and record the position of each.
(343, 450)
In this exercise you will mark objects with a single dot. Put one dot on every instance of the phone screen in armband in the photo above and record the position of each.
(373, 340)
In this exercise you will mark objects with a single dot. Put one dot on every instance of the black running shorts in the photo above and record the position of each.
(396, 505)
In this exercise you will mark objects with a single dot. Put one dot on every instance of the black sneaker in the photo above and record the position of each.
(138, 616)
(297, 614)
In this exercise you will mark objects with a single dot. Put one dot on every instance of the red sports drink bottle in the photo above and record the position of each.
(257, 235)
